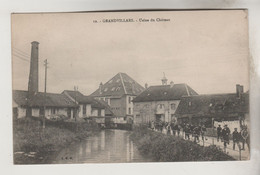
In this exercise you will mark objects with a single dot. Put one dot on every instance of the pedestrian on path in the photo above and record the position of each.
(196, 133)
(168, 129)
(219, 130)
(244, 134)
(236, 138)
(187, 131)
(225, 135)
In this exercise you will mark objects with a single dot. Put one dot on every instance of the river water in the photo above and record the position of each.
(109, 146)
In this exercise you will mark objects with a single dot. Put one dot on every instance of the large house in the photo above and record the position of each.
(118, 93)
(207, 109)
(160, 102)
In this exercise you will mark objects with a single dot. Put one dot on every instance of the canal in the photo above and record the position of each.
(108, 146)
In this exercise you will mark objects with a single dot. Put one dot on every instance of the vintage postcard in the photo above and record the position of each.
(130, 86)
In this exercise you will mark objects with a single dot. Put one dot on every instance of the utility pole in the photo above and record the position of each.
(76, 112)
(45, 87)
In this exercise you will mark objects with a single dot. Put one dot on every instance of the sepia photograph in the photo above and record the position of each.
(130, 86)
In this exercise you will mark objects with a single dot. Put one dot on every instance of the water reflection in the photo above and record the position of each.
(109, 146)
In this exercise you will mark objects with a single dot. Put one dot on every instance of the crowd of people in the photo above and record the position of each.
(196, 131)
(223, 134)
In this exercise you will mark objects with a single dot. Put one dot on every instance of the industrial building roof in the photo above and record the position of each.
(120, 84)
(165, 93)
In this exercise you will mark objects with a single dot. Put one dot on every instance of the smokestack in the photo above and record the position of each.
(34, 70)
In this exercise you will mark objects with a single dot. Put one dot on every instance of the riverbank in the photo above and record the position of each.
(33, 145)
(164, 148)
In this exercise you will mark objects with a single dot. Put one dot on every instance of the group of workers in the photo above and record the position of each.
(195, 131)
(223, 134)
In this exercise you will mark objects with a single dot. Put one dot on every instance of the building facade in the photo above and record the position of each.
(160, 102)
(118, 93)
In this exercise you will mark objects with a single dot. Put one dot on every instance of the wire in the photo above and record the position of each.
(18, 50)
(17, 56)
(18, 53)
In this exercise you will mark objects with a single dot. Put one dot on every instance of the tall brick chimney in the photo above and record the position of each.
(33, 86)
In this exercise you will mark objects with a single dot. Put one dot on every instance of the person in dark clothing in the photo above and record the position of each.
(219, 130)
(168, 129)
(160, 126)
(225, 135)
(196, 133)
(173, 128)
(203, 130)
(177, 129)
(187, 132)
(244, 137)
(236, 138)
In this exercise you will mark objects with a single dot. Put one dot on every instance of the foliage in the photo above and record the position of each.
(28, 135)
(165, 148)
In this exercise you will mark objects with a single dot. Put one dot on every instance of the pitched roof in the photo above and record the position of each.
(165, 93)
(108, 110)
(119, 85)
(213, 104)
(38, 100)
(83, 99)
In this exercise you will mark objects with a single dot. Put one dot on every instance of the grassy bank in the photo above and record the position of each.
(165, 148)
(33, 145)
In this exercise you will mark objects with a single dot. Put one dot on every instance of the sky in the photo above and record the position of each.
(208, 50)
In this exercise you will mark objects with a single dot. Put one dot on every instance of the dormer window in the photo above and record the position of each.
(105, 89)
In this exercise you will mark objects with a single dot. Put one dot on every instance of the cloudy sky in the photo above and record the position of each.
(206, 50)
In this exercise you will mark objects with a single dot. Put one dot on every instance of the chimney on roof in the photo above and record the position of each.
(146, 85)
(164, 80)
(100, 88)
(239, 90)
(34, 69)
(171, 84)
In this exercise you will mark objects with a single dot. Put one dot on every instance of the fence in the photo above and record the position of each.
(207, 140)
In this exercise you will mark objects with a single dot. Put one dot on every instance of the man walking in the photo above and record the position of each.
(225, 135)
(219, 129)
(187, 131)
(236, 137)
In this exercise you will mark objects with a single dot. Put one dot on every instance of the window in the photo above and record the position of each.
(53, 111)
(189, 103)
(129, 100)
(113, 89)
(117, 89)
(129, 110)
(105, 89)
(173, 106)
(84, 109)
